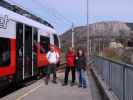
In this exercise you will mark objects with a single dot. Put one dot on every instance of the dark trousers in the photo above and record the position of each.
(51, 69)
(67, 70)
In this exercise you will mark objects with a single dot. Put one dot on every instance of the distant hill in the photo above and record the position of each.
(111, 28)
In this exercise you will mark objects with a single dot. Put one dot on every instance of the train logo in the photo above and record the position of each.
(4, 21)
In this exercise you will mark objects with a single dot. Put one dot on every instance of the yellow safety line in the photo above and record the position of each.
(26, 94)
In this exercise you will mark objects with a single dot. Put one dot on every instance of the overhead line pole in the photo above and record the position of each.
(88, 34)
(72, 35)
(87, 12)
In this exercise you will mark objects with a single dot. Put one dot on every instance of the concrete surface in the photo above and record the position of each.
(40, 91)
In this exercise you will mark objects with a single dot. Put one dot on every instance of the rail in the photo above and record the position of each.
(117, 76)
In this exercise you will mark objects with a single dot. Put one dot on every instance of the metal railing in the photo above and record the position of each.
(117, 76)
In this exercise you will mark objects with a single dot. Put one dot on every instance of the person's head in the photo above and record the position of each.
(80, 52)
(52, 48)
(70, 49)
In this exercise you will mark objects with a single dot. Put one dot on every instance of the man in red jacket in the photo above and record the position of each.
(70, 60)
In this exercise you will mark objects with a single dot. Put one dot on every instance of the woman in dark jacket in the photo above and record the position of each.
(81, 67)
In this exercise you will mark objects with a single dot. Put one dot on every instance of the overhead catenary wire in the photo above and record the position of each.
(57, 12)
(54, 12)
(29, 10)
(52, 15)
(59, 15)
(55, 17)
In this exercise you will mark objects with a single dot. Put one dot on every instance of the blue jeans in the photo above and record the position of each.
(82, 80)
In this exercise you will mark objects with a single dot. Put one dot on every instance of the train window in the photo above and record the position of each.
(35, 39)
(56, 41)
(44, 43)
(28, 41)
(4, 52)
(19, 27)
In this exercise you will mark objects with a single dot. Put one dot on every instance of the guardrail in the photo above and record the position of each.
(117, 76)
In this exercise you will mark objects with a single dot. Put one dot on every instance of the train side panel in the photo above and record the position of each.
(8, 46)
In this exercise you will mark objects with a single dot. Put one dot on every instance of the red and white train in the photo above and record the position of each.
(20, 58)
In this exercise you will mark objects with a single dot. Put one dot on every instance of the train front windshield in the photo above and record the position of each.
(4, 52)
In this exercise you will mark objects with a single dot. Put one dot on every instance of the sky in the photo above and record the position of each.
(62, 13)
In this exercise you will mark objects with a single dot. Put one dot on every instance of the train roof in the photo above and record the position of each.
(23, 19)
(24, 12)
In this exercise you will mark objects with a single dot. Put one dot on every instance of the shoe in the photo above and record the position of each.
(72, 84)
(55, 82)
(79, 86)
(46, 82)
(84, 87)
(64, 84)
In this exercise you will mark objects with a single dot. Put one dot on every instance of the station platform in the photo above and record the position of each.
(39, 91)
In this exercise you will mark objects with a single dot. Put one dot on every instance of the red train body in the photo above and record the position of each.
(21, 41)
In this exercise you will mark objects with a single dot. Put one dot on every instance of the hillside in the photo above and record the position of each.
(112, 28)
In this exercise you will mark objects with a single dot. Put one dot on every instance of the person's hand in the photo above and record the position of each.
(77, 58)
(84, 68)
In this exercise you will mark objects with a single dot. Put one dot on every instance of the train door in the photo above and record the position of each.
(24, 42)
(28, 67)
(19, 52)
